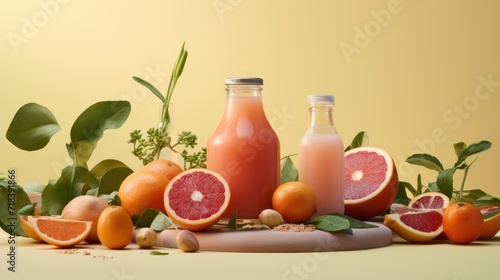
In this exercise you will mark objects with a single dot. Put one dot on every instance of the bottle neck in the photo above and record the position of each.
(244, 90)
(322, 119)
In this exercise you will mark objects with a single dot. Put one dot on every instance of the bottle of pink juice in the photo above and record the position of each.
(245, 150)
(321, 157)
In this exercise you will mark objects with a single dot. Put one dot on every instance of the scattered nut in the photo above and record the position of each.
(187, 242)
(271, 218)
(145, 238)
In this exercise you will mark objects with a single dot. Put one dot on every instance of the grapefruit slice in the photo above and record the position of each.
(491, 225)
(430, 200)
(371, 182)
(28, 228)
(61, 232)
(420, 226)
(196, 198)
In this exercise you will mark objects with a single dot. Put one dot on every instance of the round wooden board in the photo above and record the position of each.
(271, 241)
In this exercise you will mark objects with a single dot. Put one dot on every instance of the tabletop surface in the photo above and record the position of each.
(438, 259)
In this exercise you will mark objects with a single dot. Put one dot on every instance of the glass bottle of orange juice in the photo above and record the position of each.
(321, 156)
(245, 150)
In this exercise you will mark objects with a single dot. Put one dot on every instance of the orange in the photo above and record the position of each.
(167, 168)
(115, 228)
(417, 225)
(491, 216)
(196, 198)
(28, 227)
(85, 208)
(60, 232)
(462, 222)
(295, 201)
(371, 182)
(141, 190)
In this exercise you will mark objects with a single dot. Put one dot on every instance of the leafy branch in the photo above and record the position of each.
(149, 148)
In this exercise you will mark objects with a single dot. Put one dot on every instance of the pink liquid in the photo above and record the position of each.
(244, 149)
(321, 166)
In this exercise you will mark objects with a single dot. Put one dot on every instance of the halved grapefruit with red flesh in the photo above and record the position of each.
(371, 182)
(491, 225)
(60, 232)
(420, 226)
(196, 198)
(430, 200)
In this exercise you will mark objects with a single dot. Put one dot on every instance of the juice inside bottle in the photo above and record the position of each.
(321, 157)
(245, 150)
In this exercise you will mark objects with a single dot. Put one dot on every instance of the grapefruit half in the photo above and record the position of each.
(61, 232)
(420, 226)
(196, 198)
(371, 182)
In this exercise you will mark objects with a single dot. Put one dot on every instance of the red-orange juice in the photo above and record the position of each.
(245, 150)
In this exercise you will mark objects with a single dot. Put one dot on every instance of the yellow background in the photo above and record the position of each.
(404, 71)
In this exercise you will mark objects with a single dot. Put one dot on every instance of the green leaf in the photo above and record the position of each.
(479, 197)
(89, 127)
(445, 182)
(232, 224)
(331, 223)
(27, 210)
(354, 223)
(459, 148)
(288, 171)
(401, 196)
(13, 198)
(104, 166)
(426, 160)
(153, 219)
(32, 127)
(181, 61)
(360, 140)
(149, 86)
(158, 253)
(472, 150)
(70, 184)
(112, 180)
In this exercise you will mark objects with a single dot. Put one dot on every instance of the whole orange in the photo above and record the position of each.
(115, 228)
(462, 222)
(141, 190)
(167, 168)
(295, 201)
(85, 208)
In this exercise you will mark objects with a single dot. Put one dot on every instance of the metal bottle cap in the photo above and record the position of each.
(243, 81)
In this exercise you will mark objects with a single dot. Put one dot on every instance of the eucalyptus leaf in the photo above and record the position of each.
(330, 223)
(104, 166)
(472, 150)
(445, 182)
(70, 184)
(425, 160)
(288, 172)
(112, 179)
(360, 140)
(459, 148)
(433, 187)
(153, 219)
(32, 127)
(354, 223)
(89, 127)
(9, 212)
(401, 196)
(149, 86)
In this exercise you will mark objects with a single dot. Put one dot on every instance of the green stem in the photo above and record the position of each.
(466, 170)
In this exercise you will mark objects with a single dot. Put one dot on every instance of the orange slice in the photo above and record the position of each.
(28, 228)
(420, 226)
(60, 232)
